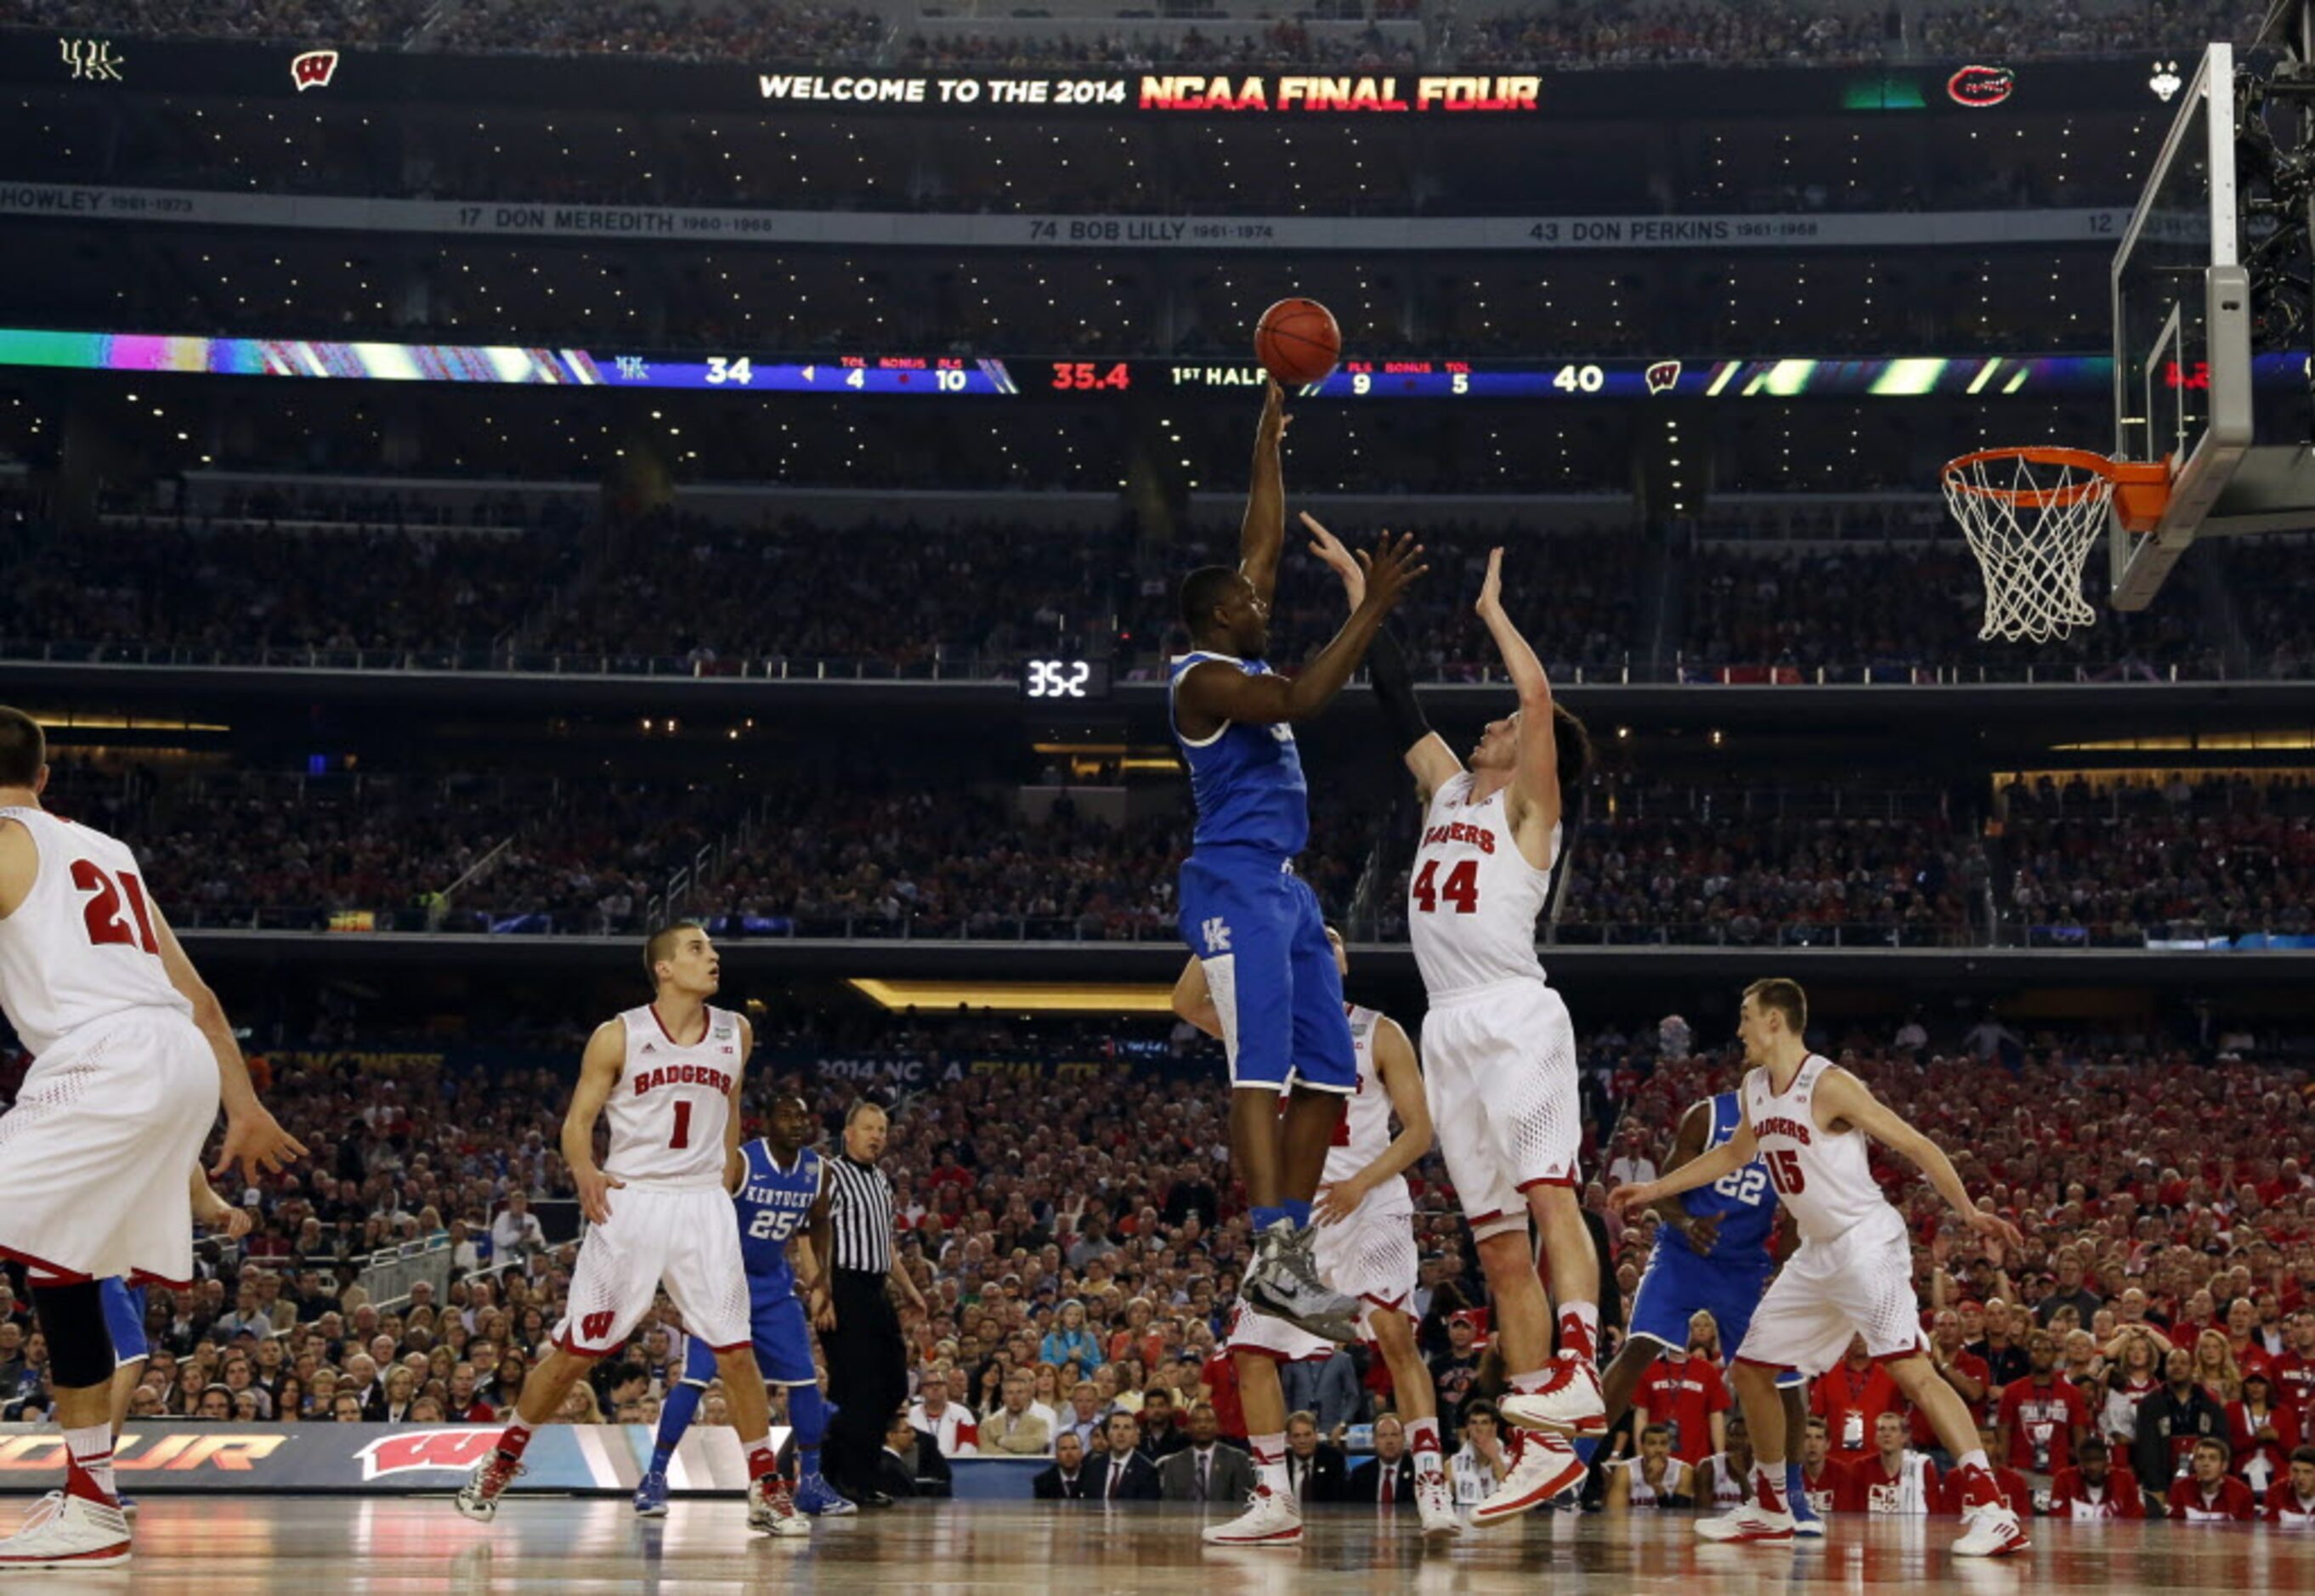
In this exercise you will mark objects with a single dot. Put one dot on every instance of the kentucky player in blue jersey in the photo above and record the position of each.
(1711, 1255)
(1244, 912)
(781, 1190)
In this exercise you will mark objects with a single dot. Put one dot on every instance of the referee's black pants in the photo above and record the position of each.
(868, 1377)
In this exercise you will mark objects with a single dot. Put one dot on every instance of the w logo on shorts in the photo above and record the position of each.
(595, 1326)
(1217, 934)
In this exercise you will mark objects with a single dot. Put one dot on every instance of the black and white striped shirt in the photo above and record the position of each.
(860, 1209)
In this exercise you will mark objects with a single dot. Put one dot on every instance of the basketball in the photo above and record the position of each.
(1297, 342)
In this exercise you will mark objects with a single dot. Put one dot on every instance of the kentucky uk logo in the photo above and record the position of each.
(91, 60)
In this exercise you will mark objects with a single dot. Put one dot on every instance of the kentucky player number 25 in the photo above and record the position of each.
(1065, 679)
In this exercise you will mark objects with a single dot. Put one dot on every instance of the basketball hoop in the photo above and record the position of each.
(2031, 515)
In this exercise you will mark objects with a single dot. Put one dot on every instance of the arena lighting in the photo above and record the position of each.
(1016, 996)
(2280, 742)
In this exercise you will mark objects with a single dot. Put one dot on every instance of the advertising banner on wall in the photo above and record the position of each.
(564, 1459)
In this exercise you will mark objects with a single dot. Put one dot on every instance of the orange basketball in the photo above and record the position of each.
(1297, 342)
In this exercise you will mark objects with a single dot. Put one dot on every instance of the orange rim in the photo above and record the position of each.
(2141, 489)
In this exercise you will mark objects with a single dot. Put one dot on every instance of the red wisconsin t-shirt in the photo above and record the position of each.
(1685, 1395)
(1925, 1434)
(2070, 1498)
(1827, 1488)
(2012, 1484)
(2230, 1503)
(1867, 1486)
(2041, 1420)
(1849, 1403)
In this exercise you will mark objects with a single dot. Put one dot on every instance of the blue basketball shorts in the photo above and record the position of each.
(782, 1342)
(1255, 926)
(124, 1317)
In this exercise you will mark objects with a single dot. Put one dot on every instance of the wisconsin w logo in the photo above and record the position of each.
(1217, 934)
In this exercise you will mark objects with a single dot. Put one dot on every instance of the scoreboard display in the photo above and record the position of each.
(1574, 380)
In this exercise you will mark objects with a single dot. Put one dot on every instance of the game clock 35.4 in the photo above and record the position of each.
(1078, 377)
(1065, 681)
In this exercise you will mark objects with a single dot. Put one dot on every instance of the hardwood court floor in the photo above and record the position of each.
(315, 1544)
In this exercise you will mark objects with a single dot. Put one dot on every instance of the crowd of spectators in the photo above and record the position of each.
(1602, 33)
(762, 30)
(513, 581)
(359, 852)
(2176, 859)
(1755, 614)
(1079, 1252)
(1801, 870)
(1282, 43)
(233, 587)
(374, 24)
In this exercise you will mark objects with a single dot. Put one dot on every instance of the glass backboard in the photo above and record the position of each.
(2182, 345)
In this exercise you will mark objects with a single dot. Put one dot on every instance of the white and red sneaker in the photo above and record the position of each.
(478, 1498)
(74, 1532)
(1746, 1523)
(772, 1509)
(1271, 1518)
(1543, 1465)
(1992, 1532)
(1568, 1403)
(1434, 1500)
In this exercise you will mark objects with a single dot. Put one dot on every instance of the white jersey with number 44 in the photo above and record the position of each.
(81, 946)
(673, 1099)
(1472, 902)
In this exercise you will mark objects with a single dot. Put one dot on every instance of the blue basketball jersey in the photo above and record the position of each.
(1248, 780)
(1743, 1199)
(774, 1205)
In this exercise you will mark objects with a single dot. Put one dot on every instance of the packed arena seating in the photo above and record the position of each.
(965, 593)
(1900, 607)
(1752, 868)
(2175, 1189)
(879, 854)
(1602, 33)
(761, 31)
(2176, 860)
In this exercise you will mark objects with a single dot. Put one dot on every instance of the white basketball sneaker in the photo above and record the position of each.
(1569, 1403)
(1543, 1465)
(1436, 1502)
(772, 1511)
(1992, 1532)
(1271, 1518)
(76, 1533)
(1747, 1522)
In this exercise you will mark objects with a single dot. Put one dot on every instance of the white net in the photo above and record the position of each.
(2030, 522)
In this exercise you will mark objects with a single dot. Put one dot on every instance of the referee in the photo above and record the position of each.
(868, 1362)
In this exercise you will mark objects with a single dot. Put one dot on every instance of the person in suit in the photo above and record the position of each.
(1206, 1469)
(1124, 1475)
(1391, 1462)
(1315, 1470)
(1068, 1479)
(911, 1464)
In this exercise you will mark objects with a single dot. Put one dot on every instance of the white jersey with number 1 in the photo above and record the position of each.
(1473, 900)
(673, 1100)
